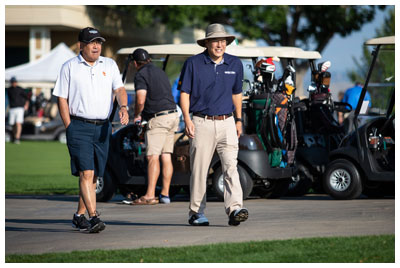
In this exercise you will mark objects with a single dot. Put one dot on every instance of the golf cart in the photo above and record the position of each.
(365, 160)
(318, 132)
(126, 168)
(47, 127)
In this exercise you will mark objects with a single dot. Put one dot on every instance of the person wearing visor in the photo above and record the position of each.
(211, 89)
(155, 104)
(85, 88)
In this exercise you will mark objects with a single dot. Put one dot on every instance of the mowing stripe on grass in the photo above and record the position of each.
(34, 167)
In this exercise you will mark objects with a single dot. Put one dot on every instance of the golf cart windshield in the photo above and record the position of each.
(382, 78)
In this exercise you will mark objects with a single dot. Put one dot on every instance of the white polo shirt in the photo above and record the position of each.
(89, 89)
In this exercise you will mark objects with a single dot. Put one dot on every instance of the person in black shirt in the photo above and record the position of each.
(155, 104)
(19, 103)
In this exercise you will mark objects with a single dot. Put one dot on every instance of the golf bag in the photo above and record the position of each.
(321, 103)
(278, 129)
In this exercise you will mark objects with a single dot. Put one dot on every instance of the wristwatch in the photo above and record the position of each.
(238, 120)
(124, 106)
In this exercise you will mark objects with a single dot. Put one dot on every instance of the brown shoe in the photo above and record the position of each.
(143, 201)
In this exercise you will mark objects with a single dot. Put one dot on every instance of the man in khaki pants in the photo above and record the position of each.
(154, 99)
(211, 88)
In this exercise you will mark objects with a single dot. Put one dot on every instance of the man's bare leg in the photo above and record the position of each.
(87, 192)
(153, 171)
(167, 170)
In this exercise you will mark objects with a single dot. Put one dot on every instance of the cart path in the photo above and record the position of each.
(42, 224)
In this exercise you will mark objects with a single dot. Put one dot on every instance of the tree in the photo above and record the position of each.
(308, 27)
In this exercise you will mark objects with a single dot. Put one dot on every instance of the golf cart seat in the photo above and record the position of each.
(50, 112)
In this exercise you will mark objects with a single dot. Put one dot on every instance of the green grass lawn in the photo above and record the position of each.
(363, 249)
(43, 168)
(38, 168)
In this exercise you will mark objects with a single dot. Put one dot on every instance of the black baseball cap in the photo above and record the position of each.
(13, 79)
(89, 34)
(140, 55)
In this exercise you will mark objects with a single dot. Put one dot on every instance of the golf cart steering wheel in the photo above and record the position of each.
(343, 107)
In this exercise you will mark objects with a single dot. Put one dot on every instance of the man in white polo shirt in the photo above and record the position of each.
(85, 89)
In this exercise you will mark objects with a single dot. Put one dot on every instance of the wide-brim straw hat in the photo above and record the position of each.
(216, 31)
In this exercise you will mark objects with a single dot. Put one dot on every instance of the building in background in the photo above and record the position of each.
(33, 31)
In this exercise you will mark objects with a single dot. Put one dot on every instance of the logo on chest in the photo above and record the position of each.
(104, 73)
(230, 72)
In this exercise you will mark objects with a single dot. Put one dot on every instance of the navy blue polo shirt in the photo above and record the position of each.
(211, 85)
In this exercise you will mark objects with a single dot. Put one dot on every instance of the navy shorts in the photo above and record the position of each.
(88, 146)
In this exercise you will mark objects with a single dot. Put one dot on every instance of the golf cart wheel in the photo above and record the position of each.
(105, 187)
(246, 183)
(301, 182)
(8, 136)
(62, 137)
(275, 189)
(342, 180)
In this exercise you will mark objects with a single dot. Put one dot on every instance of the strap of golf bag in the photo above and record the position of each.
(269, 130)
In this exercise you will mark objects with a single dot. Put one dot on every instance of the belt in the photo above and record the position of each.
(162, 113)
(90, 121)
(213, 117)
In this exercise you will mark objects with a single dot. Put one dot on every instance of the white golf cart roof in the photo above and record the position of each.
(289, 52)
(239, 51)
(192, 49)
(387, 40)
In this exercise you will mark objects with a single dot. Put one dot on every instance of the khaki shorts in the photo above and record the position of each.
(160, 134)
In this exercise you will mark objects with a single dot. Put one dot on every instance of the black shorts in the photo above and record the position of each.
(88, 146)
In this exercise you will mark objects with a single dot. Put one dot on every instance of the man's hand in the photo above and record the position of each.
(63, 109)
(26, 106)
(189, 128)
(122, 99)
(123, 116)
(185, 103)
(137, 119)
(239, 128)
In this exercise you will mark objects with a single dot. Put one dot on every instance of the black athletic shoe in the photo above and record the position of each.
(96, 225)
(238, 216)
(80, 222)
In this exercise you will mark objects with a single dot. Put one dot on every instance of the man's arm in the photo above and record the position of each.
(139, 104)
(63, 108)
(185, 104)
(122, 99)
(26, 106)
(237, 102)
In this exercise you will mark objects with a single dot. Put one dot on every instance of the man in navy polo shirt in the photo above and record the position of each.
(211, 89)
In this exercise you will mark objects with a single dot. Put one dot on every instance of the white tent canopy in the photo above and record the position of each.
(42, 72)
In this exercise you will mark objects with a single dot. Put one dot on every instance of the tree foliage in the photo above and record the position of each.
(278, 25)
(305, 26)
(385, 63)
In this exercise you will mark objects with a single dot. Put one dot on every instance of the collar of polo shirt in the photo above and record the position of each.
(225, 59)
(82, 60)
